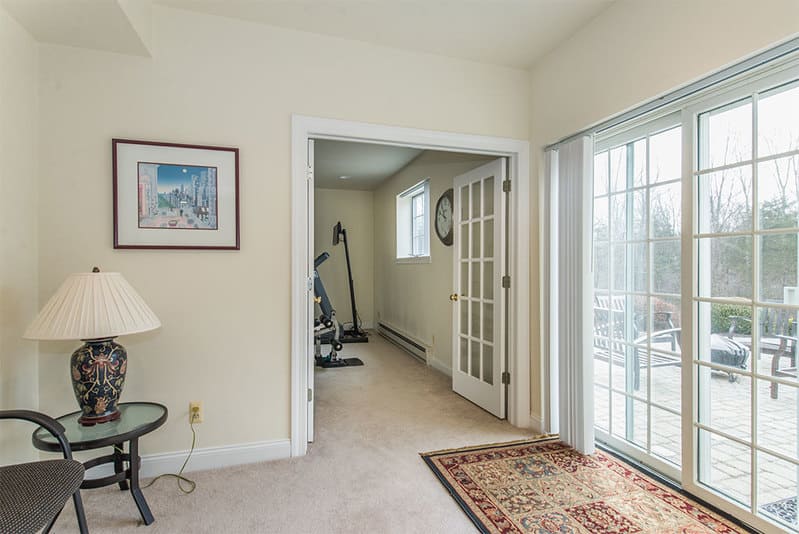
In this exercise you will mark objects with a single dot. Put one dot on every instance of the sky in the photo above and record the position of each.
(171, 176)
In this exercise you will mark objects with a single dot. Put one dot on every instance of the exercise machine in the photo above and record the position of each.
(354, 334)
(326, 328)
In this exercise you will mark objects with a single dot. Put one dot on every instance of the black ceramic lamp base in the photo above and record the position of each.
(98, 376)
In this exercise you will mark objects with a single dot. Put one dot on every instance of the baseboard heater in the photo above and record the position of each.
(402, 341)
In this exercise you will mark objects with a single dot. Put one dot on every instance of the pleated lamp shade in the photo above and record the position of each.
(93, 306)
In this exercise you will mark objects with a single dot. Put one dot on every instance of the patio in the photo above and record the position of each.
(728, 410)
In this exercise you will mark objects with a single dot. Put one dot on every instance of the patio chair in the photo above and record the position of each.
(33, 494)
(788, 350)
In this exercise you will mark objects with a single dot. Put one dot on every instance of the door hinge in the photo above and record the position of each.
(309, 285)
(506, 282)
(310, 394)
(506, 186)
(506, 378)
(309, 174)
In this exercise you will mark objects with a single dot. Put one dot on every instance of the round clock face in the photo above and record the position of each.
(444, 218)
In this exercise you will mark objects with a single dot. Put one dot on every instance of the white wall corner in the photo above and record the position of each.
(440, 366)
(536, 423)
(140, 15)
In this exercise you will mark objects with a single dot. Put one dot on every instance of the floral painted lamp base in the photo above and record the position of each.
(98, 376)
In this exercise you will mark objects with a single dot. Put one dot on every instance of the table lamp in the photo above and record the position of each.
(95, 308)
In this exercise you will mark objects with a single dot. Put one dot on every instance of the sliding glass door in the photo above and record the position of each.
(696, 284)
(746, 178)
(637, 333)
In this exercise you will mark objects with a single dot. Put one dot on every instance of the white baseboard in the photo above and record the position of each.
(207, 458)
(438, 366)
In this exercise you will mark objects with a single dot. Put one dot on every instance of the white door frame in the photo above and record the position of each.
(518, 154)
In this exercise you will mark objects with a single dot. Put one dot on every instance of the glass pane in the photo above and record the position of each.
(725, 402)
(778, 258)
(638, 266)
(464, 356)
(464, 289)
(601, 265)
(665, 210)
(725, 135)
(618, 266)
(725, 335)
(777, 339)
(641, 423)
(619, 415)
(488, 364)
(488, 322)
(601, 408)
(618, 168)
(464, 305)
(618, 217)
(601, 173)
(639, 215)
(727, 262)
(725, 465)
(777, 489)
(778, 121)
(601, 232)
(488, 201)
(476, 279)
(777, 417)
(666, 266)
(777, 182)
(475, 359)
(665, 156)
(639, 163)
(488, 280)
(476, 239)
(475, 319)
(666, 435)
(601, 362)
(418, 205)
(476, 199)
(465, 241)
(725, 201)
(465, 202)
(488, 238)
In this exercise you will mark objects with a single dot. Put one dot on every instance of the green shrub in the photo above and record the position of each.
(720, 319)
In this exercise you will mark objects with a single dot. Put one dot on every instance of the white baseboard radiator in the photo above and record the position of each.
(402, 341)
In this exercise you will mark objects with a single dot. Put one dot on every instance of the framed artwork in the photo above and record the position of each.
(173, 196)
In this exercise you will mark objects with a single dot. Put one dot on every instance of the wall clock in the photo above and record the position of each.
(444, 218)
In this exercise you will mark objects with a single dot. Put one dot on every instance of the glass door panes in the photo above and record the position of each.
(746, 182)
(637, 262)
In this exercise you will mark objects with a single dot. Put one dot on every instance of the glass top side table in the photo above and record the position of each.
(136, 420)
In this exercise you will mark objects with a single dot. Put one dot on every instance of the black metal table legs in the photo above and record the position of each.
(135, 490)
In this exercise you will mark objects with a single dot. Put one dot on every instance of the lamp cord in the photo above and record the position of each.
(179, 475)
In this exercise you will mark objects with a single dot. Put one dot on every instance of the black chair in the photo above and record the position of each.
(33, 494)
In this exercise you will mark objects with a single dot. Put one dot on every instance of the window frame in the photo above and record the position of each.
(405, 236)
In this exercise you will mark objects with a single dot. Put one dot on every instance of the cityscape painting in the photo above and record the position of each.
(177, 196)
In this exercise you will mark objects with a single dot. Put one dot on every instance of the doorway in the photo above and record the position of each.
(517, 154)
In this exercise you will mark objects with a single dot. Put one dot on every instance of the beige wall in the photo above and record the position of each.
(18, 232)
(226, 336)
(414, 297)
(632, 52)
(354, 210)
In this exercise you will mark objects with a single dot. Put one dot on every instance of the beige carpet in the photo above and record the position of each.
(363, 473)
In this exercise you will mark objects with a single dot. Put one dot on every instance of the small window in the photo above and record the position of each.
(413, 227)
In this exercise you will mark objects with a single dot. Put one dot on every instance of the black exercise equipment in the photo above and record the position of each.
(354, 334)
(326, 328)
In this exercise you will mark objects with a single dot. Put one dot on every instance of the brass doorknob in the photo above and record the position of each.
(318, 300)
(453, 297)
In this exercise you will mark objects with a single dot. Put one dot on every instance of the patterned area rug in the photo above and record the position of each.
(544, 486)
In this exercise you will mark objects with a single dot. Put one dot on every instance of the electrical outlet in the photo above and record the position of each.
(196, 412)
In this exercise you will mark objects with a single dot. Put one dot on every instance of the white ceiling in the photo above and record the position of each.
(514, 33)
(366, 164)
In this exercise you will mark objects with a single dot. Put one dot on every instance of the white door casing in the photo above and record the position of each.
(311, 362)
(478, 299)
(517, 152)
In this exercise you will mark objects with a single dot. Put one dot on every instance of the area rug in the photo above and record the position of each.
(544, 486)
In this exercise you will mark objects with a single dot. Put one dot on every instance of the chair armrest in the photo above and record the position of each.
(45, 421)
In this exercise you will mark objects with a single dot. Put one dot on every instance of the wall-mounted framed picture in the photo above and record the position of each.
(174, 196)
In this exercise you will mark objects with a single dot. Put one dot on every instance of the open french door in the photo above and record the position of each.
(478, 298)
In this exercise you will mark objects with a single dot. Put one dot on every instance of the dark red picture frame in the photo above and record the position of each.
(114, 147)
